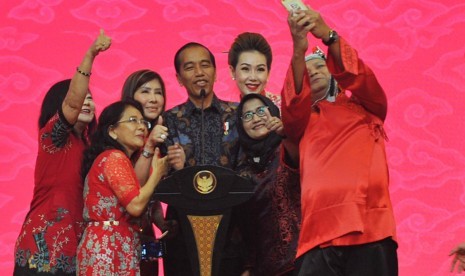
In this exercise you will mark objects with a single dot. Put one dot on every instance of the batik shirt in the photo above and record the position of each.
(221, 147)
(272, 215)
(52, 229)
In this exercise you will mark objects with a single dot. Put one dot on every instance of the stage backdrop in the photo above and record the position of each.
(415, 47)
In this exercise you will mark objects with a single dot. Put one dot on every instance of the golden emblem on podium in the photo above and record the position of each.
(204, 182)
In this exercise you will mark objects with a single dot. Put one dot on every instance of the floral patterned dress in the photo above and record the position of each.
(110, 244)
(53, 226)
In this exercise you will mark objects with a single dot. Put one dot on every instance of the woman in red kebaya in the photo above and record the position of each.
(53, 226)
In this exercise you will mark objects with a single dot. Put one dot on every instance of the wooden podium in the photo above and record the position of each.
(204, 196)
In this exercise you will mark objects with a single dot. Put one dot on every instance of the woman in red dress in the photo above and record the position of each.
(113, 198)
(53, 226)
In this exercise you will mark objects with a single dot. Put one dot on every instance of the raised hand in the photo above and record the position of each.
(159, 133)
(102, 43)
(275, 124)
(317, 26)
(298, 22)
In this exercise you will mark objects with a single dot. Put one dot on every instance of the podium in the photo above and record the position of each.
(203, 197)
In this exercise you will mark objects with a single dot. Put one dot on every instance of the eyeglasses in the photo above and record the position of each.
(134, 120)
(260, 112)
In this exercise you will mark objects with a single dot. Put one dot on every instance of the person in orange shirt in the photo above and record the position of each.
(348, 226)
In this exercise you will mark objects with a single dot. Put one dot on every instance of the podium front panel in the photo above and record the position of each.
(205, 229)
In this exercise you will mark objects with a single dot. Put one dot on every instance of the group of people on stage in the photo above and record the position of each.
(315, 154)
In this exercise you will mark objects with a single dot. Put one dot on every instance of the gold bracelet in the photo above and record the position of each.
(83, 73)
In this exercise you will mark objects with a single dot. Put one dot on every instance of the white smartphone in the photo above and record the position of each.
(293, 5)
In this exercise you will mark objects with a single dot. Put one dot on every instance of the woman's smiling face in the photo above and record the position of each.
(256, 127)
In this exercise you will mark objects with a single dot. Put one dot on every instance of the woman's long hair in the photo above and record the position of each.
(53, 102)
(101, 140)
(137, 79)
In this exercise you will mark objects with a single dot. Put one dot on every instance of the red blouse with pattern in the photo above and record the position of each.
(53, 226)
(110, 244)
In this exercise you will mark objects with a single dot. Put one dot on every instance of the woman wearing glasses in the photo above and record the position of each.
(113, 197)
(274, 211)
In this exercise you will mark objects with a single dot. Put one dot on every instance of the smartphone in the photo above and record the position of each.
(152, 250)
(293, 5)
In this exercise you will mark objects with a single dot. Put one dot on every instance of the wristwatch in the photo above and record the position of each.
(333, 36)
(146, 153)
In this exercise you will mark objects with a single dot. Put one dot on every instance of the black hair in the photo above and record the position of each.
(137, 79)
(177, 60)
(101, 140)
(52, 103)
(249, 42)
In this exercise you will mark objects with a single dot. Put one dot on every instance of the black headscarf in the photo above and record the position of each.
(258, 148)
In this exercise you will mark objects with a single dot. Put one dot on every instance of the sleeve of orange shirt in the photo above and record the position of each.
(359, 79)
(295, 108)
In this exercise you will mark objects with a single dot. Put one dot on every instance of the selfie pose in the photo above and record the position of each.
(273, 213)
(113, 197)
(53, 226)
(348, 226)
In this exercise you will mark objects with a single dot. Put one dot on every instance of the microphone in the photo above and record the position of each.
(202, 131)
(202, 94)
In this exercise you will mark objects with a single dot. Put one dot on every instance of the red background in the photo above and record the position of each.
(416, 48)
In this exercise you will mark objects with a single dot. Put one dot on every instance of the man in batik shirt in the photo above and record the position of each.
(196, 71)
